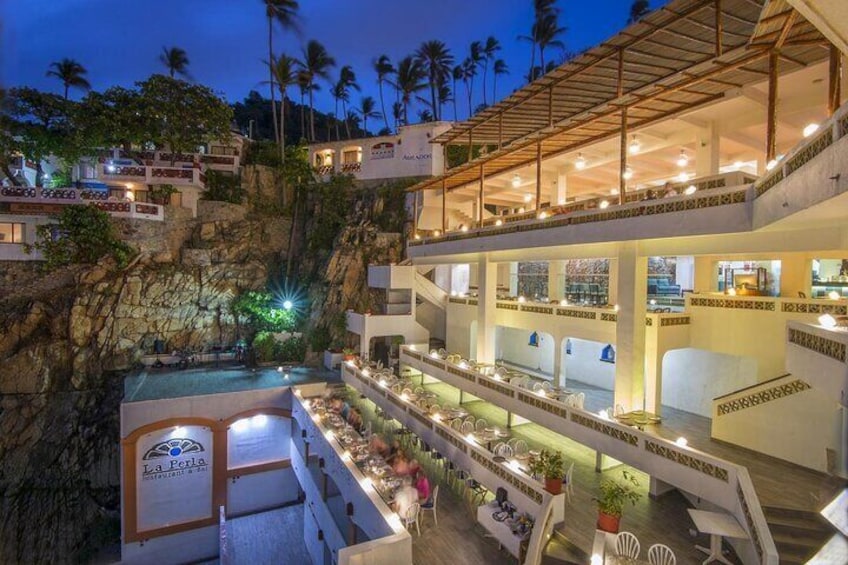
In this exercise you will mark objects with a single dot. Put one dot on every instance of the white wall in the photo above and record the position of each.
(512, 345)
(583, 364)
(693, 377)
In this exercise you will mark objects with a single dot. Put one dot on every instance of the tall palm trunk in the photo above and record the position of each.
(494, 88)
(66, 91)
(541, 60)
(455, 114)
(433, 97)
(346, 121)
(383, 105)
(271, 78)
(485, 69)
(302, 117)
(311, 117)
(531, 75)
(283, 127)
(336, 122)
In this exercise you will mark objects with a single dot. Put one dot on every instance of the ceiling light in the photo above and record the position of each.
(498, 222)
(810, 129)
(827, 321)
(771, 164)
(691, 189)
(833, 295)
(616, 308)
(683, 177)
(628, 173)
(580, 162)
(516, 181)
(635, 145)
(653, 302)
(436, 233)
(528, 197)
(613, 191)
(604, 204)
(683, 160)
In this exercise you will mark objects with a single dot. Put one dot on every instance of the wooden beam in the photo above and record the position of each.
(470, 144)
(551, 106)
(622, 182)
(771, 110)
(444, 205)
(787, 27)
(480, 201)
(500, 131)
(834, 87)
(538, 175)
(719, 49)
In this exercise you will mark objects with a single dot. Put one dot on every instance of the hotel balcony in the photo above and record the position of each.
(153, 174)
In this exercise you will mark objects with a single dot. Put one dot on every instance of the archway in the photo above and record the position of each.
(588, 362)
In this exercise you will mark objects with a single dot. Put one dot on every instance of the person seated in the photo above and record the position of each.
(405, 497)
(401, 465)
(393, 452)
(650, 195)
(422, 484)
(354, 418)
(414, 467)
(379, 446)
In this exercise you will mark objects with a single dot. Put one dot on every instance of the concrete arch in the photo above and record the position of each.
(512, 346)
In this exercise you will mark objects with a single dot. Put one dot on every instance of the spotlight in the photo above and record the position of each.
(810, 129)
(543, 215)
(580, 162)
(288, 305)
(635, 145)
(498, 222)
(614, 192)
(681, 442)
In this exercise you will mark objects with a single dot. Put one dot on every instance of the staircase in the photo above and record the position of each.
(561, 551)
(798, 534)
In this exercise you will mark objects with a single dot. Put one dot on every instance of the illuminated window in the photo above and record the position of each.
(12, 232)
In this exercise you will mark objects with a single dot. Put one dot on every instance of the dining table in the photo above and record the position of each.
(489, 435)
(717, 525)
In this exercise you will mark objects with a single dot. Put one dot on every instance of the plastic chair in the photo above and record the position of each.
(520, 450)
(467, 428)
(480, 425)
(434, 408)
(412, 516)
(430, 504)
(659, 554)
(456, 424)
(580, 398)
(503, 450)
(627, 545)
(569, 481)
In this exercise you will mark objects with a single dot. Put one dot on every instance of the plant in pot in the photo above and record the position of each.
(348, 353)
(612, 498)
(550, 466)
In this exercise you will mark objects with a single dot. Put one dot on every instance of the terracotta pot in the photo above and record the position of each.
(349, 357)
(608, 523)
(553, 486)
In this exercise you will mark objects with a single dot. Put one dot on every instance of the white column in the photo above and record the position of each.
(632, 280)
(487, 282)
(560, 192)
(559, 361)
(613, 280)
(707, 144)
(556, 280)
(684, 272)
(513, 278)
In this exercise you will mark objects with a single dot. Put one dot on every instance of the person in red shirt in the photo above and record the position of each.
(422, 484)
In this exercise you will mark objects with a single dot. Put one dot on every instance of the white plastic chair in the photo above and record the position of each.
(467, 428)
(431, 504)
(434, 408)
(546, 386)
(579, 400)
(659, 554)
(456, 424)
(412, 517)
(481, 424)
(503, 450)
(520, 450)
(569, 481)
(627, 545)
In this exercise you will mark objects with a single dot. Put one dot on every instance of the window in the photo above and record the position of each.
(12, 233)
(222, 150)
(352, 156)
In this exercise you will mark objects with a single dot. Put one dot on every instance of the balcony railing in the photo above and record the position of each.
(28, 200)
(351, 167)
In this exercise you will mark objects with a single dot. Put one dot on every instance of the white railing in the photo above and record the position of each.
(718, 481)
(48, 200)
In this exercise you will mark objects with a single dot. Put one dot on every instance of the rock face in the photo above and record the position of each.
(66, 337)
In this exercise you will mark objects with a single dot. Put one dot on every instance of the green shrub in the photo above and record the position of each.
(264, 312)
(293, 349)
(266, 347)
(223, 188)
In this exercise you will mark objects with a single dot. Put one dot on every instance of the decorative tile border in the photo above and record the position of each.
(414, 355)
(457, 443)
(456, 300)
(506, 391)
(605, 429)
(461, 374)
(649, 322)
(538, 309)
(681, 321)
(506, 306)
(576, 314)
(607, 317)
(687, 460)
(505, 475)
(808, 308)
(749, 520)
(823, 346)
(438, 364)
(761, 397)
(769, 182)
(421, 418)
(396, 401)
(540, 403)
(472, 302)
(812, 149)
(735, 303)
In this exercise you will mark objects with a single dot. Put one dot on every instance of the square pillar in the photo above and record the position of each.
(707, 145)
(556, 280)
(632, 280)
(487, 286)
(513, 278)
(560, 192)
(706, 274)
(796, 275)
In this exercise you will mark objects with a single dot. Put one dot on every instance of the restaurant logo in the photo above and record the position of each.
(383, 150)
(417, 157)
(174, 458)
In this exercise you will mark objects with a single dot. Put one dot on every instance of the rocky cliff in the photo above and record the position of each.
(66, 338)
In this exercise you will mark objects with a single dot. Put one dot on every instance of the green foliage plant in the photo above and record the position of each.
(615, 494)
(82, 234)
(263, 312)
(223, 188)
(548, 464)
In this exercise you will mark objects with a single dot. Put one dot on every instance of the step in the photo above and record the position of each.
(561, 551)
(818, 524)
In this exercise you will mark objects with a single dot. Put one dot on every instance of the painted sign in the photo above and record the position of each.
(383, 150)
(174, 476)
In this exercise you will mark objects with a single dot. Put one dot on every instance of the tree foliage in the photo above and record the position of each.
(82, 234)
(264, 311)
(221, 187)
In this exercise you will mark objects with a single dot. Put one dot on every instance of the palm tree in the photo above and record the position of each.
(410, 81)
(347, 78)
(383, 67)
(397, 114)
(638, 10)
(70, 72)
(436, 59)
(490, 48)
(316, 64)
(541, 9)
(499, 68)
(175, 60)
(284, 69)
(304, 87)
(338, 92)
(456, 74)
(547, 32)
(284, 12)
(470, 65)
(368, 109)
(445, 96)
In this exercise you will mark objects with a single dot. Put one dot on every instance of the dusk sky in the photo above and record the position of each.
(119, 41)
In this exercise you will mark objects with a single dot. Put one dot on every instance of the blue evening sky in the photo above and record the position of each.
(119, 41)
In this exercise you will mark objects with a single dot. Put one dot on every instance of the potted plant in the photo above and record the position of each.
(550, 466)
(348, 353)
(612, 498)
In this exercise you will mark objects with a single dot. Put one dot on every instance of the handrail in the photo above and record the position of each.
(731, 486)
(753, 386)
(541, 533)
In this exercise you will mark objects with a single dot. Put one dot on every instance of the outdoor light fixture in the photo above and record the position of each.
(596, 560)
(417, 236)
(543, 215)
(279, 369)
(521, 210)
(683, 177)
(616, 307)
(498, 222)
(522, 300)
(614, 192)
(691, 189)
(628, 173)
(833, 295)
(603, 204)
(683, 160)
(288, 305)
(516, 181)
(810, 129)
(453, 293)
(604, 414)
(528, 197)
(110, 168)
(681, 442)
(563, 302)
(731, 291)
(580, 162)
(436, 233)
(329, 435)
(635, 145)
(827, 321)
(653, 302)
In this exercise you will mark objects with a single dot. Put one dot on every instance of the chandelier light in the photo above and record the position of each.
(516, 181)
(580, 162)
(635, 145)
(810, 129)
(628, 173)
(604, 204)
(683, 159)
